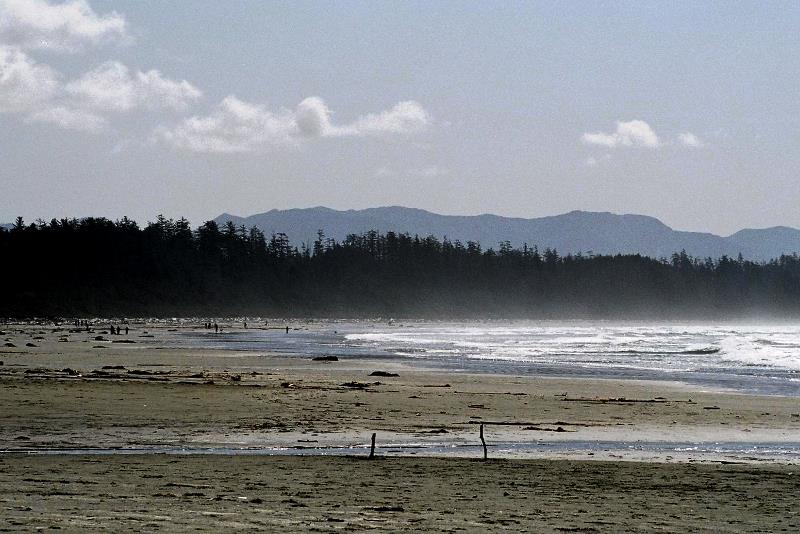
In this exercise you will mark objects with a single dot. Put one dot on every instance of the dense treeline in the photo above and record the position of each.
(95, 266)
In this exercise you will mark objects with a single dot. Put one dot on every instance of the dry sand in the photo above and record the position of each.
(66, 392)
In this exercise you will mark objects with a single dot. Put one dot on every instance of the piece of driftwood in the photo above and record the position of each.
(383, 373)
(531, 423)
(620, 400)
(360, 385)
(491, 393)
(372, 447)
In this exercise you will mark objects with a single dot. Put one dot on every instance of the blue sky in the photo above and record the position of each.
(687, 111)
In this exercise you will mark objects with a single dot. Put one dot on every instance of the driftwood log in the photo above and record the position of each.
(483, 441)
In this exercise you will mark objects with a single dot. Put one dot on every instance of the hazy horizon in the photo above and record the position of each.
(679, 112)
(199, 222)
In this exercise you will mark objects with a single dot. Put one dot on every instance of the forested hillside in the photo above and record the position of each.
(95, 266)
(574, 232)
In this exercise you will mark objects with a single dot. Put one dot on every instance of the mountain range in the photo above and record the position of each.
(573, 232)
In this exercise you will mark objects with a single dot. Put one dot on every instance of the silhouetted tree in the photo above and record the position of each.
(100, 267)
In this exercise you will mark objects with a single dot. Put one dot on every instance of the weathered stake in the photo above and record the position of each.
(372, 448)
(483, 441)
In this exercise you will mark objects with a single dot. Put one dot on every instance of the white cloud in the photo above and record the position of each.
(313, 117)
(70, 119)
(314, 120)
(239, 126)
(24, 84)
(112, 87)
(689, 139)
(635, 133)
(404, 118)
(64, 27)
(235, 126)
(37, 92)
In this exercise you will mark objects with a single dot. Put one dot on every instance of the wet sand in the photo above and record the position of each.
(73, 391)
(324, 494)
(70, 394)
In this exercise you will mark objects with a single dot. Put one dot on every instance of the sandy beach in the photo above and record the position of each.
(326, 494)
(64, 391)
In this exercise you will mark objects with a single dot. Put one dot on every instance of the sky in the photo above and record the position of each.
(685, 111)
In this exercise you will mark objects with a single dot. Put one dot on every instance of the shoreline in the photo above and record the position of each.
(557, 470)
(68, 395)
(604, 361)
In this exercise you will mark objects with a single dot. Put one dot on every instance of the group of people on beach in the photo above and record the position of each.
(83, 323)
(215, 326)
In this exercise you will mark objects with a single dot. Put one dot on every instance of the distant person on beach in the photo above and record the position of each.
(287, 329)
(245, 324)
(126, 330)
(216, 328)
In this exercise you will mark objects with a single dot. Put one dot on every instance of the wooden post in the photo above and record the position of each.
(483, 441)
(372, 448)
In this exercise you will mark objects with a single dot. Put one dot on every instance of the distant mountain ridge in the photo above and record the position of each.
(573, 232)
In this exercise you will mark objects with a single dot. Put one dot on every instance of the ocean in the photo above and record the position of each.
(762, 359)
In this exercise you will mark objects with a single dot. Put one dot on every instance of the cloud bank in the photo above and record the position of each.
(24, 84)
(66, 27)
(38, 93)
(70, 118)
(112, 87)
(35, 91)
(239, 126)
(637, 134)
